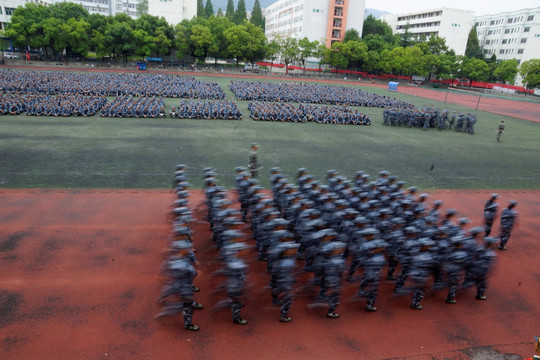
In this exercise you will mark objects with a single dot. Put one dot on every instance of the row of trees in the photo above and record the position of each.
(237, 16)
(67, 28)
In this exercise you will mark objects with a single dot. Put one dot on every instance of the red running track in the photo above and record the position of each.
(80, 281)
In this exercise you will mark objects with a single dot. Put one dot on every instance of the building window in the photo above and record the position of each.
(9, 11)
(492, 22)
(504, 41)
(526, 29)
(524, 40)
(520, 51)
(501, 51)
(507, 31)
(510, 20)
(530, 18)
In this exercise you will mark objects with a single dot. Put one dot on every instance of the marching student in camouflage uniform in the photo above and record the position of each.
(508, 218)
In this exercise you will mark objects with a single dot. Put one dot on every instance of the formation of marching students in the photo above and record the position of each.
(178, 267)
(429, 117)
(340, 229)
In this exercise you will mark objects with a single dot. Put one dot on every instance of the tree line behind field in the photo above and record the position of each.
(68, 30)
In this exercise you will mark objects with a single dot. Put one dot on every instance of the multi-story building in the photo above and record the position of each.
(108, 7)
(7, 7)
(451, 24)
(510, 35)
(315, 19)
(174, 11)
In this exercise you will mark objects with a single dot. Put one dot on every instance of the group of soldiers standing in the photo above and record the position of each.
(429, 118)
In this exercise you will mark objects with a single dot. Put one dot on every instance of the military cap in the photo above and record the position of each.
(494, 196)
(476, 230)
(489, 240)
(180, 264)
(181, 245)
(426, 242)
(463, 221)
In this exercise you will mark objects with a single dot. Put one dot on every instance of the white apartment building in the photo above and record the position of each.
(315, 19)
(108, 7)
(510, 35)
(174, 11)
(453, 25)
(7, 7)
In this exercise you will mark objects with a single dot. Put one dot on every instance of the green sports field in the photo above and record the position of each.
(96, 152)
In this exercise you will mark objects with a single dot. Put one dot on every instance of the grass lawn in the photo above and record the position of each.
(100, 152)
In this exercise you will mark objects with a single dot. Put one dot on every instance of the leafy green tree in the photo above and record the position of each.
(256, 15)
(54, 36)
(447, 66)
(67, 10)
(406, 39)
(181, 39)
(372, 62)
(142, 8)
(201, 12)
(356, 53)
(218, 25)
(472, 48)
(163, 44)
(143, 43)
(246, 42)
(151, 24)
(98, 22)
(229, 12)
(272, 50)
(306, 49)
(530, 71)
(209, 9)
(337, 57)
(202, 39)
(289, 51)
(351, 35)
(119, 36)
(241, 13)
(506, 71)
(474, 69)
(321, 52)
(220, 13)
(26, 26)
(77, 36)
(376, 42)
(373, 26)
